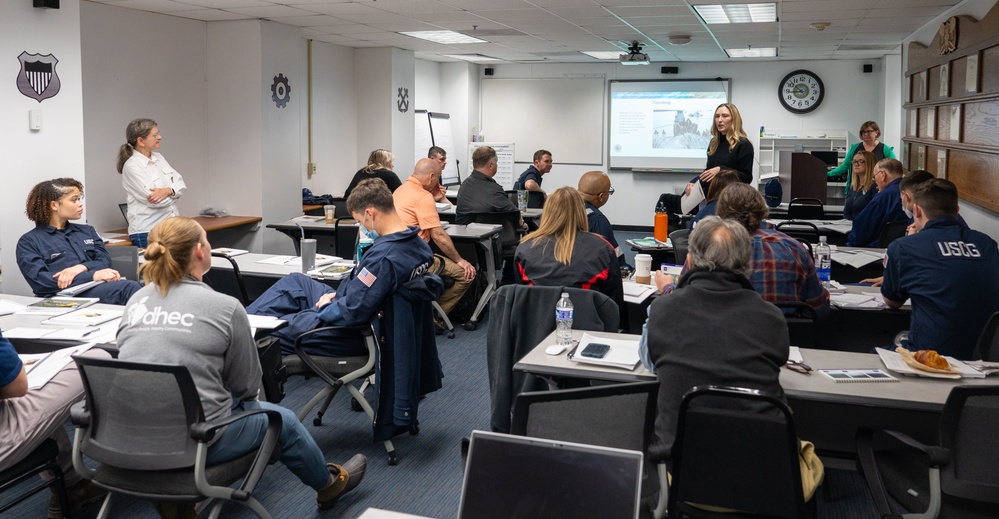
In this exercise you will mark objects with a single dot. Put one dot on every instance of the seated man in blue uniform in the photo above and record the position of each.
(596, 190)
(58, 254)
(397, 256)
(950, 272)
(886, 207)
(530, 179)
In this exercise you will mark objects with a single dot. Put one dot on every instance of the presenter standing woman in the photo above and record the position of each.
(152, 187)
(869, 134)
(729, 148)
(380, 164)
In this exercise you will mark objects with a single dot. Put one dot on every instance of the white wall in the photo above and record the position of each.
(403, 134)
(977, 217)
(335, 111)
(168, 84)
(428, 86)
(451, 88)
(373, 90)
(852, 97)
(57, 150)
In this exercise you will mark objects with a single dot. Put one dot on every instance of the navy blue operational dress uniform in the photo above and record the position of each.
(951, 273)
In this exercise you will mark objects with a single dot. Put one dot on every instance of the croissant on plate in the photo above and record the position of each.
(932, 359)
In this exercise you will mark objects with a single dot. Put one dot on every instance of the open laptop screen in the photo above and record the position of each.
(513, 476)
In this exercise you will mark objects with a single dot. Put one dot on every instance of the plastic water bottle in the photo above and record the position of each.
(363, 244)
(563, 320)
(823, 261)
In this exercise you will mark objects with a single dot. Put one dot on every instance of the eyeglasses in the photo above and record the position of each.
(610, 191)
(798, 367)
(860, 161)
(864, 132)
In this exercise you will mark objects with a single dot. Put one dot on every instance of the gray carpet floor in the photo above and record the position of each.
(427, 480)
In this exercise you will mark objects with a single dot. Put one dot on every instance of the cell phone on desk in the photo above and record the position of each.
(595, 350)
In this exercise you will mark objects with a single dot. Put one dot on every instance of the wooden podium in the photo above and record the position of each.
(802, 176)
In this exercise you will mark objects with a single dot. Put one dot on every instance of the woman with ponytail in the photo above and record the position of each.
(152, 187)
(177, 319)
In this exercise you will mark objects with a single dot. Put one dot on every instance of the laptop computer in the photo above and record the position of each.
(451, 177)
(514, 476)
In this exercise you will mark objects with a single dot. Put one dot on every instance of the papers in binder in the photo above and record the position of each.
(84, 317)
(622, 353)
(60, 305)
(856, 258)
(296, 261)
(41, 368)
(79, 289)
(696, 196)
(635, 293)
(230, 252)
(10, 307)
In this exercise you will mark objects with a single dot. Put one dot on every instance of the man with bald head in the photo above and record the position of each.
(414, 202)
(595, 187)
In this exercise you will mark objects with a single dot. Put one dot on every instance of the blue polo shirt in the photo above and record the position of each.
(531, 173)
(951, 273)
(884, 208)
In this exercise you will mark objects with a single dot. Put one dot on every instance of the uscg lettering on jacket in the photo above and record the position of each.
(141, 314)
(958, 248)
(88, 241)
(420, 270)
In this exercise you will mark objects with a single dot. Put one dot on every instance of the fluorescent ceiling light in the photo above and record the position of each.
(474, 58)
(602, 54)
(445, 37)
(761, 52)
(737, 13)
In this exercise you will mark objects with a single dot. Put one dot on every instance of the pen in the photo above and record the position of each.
(95, 330)
(572, 352)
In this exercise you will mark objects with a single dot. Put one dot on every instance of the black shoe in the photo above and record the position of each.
(346, 478)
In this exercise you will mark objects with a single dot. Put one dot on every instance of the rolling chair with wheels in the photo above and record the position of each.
(234, 286)
(679, 239)
(988, 343)
(805, 209)
(800, 230)
(145, 427)
(43, 458)
(509, 236)
(448, 283)
(346, 231)
(892, 231)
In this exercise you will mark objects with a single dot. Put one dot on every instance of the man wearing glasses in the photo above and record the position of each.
(886, 207)
(595, 188)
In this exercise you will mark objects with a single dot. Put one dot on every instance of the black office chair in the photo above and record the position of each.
(988, 342)
(958, 478)
(679, 240)
(805, 209)
(620, 416)
(43, 458)
(800, 230)
(448, 283)
(801, 323)
(508, 238)
(808, 246)
(727, 457)
(125, 259)
(222, 282)
(144, 426)
(535, 199)
(347, 233)
(341, 208)
(892, 231)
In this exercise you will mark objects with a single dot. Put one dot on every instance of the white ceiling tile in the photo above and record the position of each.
(226, 4)
(156, 6)
(211, 15)
(315, 20)
(273, 11)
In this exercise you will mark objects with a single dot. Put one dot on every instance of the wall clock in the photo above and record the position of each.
(801, 91)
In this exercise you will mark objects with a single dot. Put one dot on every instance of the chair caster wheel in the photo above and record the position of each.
(450, 335)
(414, 429)
(355, 405)
(470, 326)
(392, 459)
(317, 421)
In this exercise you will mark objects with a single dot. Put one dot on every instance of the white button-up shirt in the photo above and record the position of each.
(139, 175)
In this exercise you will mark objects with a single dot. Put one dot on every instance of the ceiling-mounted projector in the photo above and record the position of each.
(634, 56)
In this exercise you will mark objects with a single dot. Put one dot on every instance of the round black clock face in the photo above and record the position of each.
(801, 91)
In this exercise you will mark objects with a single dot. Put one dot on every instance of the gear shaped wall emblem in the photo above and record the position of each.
(280, 91)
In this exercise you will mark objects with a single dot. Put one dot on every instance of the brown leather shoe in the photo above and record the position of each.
(346, 477)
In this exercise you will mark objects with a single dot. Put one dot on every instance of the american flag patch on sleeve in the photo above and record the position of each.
(367, 277)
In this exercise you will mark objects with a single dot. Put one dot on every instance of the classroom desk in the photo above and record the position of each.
(35, 321)
(257, 277)
(832, 212)
(825, 412)
(660, 253)
(449, 214)
(211, 224)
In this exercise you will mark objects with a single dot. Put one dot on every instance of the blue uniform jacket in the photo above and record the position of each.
(45, 250)
(408, 366)
(531, 173)
(884, 208)
(951, 273)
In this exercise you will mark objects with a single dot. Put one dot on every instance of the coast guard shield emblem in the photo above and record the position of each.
(37, 78)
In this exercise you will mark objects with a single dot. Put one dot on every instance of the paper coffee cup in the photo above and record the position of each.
(330, 211)
(643, 268)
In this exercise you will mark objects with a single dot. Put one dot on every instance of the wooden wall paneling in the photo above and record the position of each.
(974, 173)
(941, 170)
(913, 119)
(931, 160)
(933, 83)
(989, 66)
(981, 123)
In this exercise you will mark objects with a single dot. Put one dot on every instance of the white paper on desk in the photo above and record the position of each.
(48, 365)
(265, 322)
(794, 355)
(840, 226)
(482, 227)
(230, 252)
(855, 301)
(635, 293)
(696, 196)
(856, 258)
(10, 307)
(894, 362)
(443, 206)
(84, 317)
(296, 261)
(27, 332)
(622, 353)
(307, 218)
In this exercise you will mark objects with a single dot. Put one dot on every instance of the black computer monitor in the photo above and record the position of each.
(514, 476)
(831, 158)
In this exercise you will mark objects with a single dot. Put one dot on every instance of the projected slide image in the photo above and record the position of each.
(679, 129)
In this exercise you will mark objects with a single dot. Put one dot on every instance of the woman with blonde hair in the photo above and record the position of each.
(563, 253)
(862, 187)
(729, 148)
(177, 319)
(152, 187)
(380, 164)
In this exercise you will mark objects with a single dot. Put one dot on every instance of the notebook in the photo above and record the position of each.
(858, 375)
(514, 476)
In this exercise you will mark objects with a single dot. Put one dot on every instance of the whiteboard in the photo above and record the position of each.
(505, 152)
(424, 138)
(564, 116)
